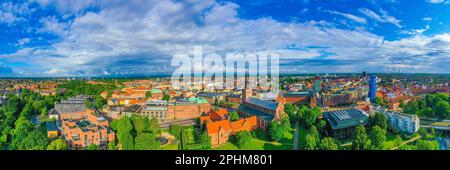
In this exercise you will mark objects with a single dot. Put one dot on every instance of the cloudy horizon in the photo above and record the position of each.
(58, 38)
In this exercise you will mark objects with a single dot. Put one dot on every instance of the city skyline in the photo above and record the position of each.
(51, 38)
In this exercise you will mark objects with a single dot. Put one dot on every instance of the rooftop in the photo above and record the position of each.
(210, 94)
(156, 91)
(51, 126)
(262, 103)
(251, 111)
(197, 100)
(296, 94)
(341, 119)
(133, 108)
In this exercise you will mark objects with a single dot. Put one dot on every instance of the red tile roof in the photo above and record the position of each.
(214, 127)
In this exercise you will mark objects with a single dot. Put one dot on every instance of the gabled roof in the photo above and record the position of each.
(214, 127)
(243, 124)
(219, 114)
(246, 124)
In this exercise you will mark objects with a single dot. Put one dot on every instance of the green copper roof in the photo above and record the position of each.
(198, 100)
(156, 91)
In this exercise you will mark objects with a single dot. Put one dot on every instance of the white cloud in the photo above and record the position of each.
(436, 1)
(384, 17)
(416, 31)
(54, 71)
(349, 16)
(427, 19)
(129, 38)
(23, 41)
(11, 13)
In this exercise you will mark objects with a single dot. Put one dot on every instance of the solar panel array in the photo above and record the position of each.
(342, 115)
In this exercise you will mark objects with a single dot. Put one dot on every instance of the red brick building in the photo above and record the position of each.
(307, 98)
(220, 131)
(81, 129)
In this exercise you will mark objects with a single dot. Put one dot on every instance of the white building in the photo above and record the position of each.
(403, 122)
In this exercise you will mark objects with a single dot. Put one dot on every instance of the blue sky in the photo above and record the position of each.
(139, 37)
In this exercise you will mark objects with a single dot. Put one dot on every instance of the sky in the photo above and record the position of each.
(53, 38)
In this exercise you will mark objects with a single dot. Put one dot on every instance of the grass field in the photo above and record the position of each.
(258, 144)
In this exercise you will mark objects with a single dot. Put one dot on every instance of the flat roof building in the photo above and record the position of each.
(341, 122)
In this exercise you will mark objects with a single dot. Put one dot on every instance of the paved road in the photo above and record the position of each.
(295, 145)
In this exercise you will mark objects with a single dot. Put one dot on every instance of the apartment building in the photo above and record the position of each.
(81, 129)
(405, 123)
(186, 108)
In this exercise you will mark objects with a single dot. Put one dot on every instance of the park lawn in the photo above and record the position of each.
(258, 144)
(173, 146)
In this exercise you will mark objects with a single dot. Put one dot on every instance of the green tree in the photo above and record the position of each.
(111, 145)
(148, 94)
(310, 142)
(291, 111)
(426, 112)
(89, 104)
(175, 130)
(322, 126)
(243, 139)
(124, 128)
(139, 124)
(146, 141)
(234, 116)
(311, 116)
(13, 104)
(166, 97)
(99, 102)
(126, 141)
(402, 104)
(276, 131)
(58, 144)
(285, 123)
(360, 139)
(21, 131)
(92, 147)
(379, 101)
(380, 120)
(442, 109)
(188, 135)
(26, 111)
(153, 126)
(412, 107)
(205, 140)
(36, 140)
(378, 137)
(313, 131)
(427, 145)
(328, 143)
(39, 105)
